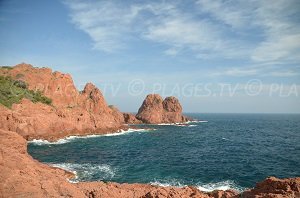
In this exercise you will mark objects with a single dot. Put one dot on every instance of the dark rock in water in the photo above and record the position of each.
(155, 110)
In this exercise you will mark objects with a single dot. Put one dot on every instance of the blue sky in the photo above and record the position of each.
(215, 56)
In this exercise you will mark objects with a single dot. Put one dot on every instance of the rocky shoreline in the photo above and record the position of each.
(22, 176)
(79, 113)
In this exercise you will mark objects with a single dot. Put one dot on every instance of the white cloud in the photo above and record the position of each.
(274, 23)
(258, 31)
(259, 70)
(236, 14)
(179, 32)
(285, 47)
(112, 25)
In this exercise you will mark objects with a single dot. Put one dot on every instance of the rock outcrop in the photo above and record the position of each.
(129, 118)
(155, 110)
(75, 112)
(71, 113)
(275, 188)
(22, 176)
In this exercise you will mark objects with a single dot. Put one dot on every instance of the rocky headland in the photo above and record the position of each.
(37, 103)
(74, 112)
(71, 112)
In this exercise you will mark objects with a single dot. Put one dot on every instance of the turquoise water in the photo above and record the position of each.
(227, 151)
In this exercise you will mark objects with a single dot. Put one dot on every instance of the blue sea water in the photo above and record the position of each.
(227, 151)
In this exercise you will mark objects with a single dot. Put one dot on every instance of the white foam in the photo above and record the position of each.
(168, 124)
(223, 185)
(124, 132)
(168, 183)
(61, 141)
(70, 138)
(87, 171)
(42, 142)
(184, 124)
(196, 121)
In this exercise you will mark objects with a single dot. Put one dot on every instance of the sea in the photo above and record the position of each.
(217, 151)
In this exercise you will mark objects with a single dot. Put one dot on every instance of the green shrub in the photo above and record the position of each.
(19, 76)
(6, 67)
(13, 91)
(20, 83)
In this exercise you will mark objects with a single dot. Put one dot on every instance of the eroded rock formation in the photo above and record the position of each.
(155, 110)
(275, 188)
(71, 113)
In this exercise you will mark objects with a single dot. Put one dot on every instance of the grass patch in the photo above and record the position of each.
(6, 67)
(13, 91)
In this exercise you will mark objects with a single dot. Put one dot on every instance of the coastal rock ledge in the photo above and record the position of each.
(22, 176)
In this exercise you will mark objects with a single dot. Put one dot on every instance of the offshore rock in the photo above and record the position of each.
(155, 110)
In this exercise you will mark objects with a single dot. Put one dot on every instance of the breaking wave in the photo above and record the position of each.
(196, 121)
(70, 138)
(223, 185)
(87, 172)
(168, 182)
(124, 132)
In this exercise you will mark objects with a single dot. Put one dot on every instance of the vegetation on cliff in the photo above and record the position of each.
(13, 91)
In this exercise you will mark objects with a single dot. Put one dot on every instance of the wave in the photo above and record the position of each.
(167, 124)
(124, 132)
(209, 187)
(87, 171)
(70, 138)
(185, 124)
(196, 121)
(223, 185)
(168, 183)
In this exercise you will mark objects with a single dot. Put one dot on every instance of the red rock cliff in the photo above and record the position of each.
(72, 112)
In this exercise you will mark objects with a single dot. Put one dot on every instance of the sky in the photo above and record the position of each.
(215, 56)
